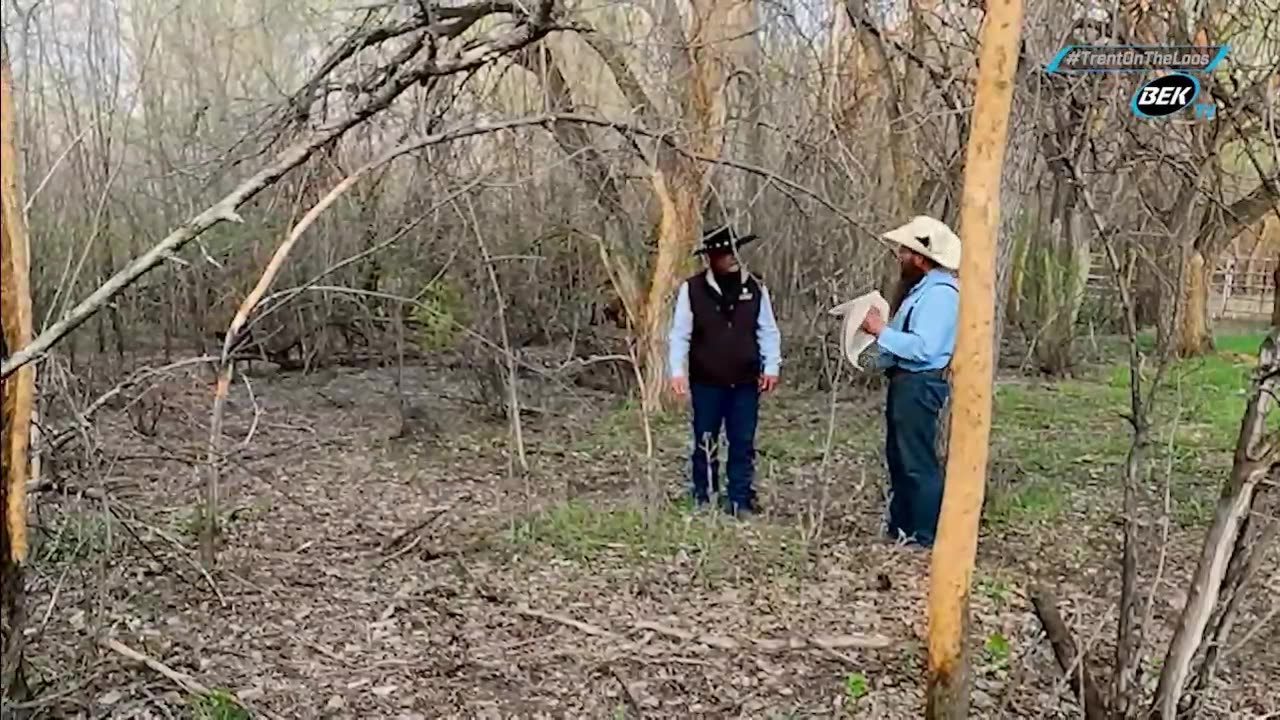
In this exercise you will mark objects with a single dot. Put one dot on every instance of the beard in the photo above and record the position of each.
(908, 276)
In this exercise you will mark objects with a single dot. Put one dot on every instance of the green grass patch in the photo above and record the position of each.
(1035, 503)
(1052, 439)
(1205, 395)
(791, 439)
(996, 651)
(581, 532)
(621, 428)
(1053, 431)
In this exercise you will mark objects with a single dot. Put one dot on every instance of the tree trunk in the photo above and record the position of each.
(17, 396)
(1218, 228)
(1275, 298)
(957, 537)
(679, 196)
(1194, 336)
(714, 34)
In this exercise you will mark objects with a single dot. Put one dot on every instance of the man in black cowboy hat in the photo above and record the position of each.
(724, 351)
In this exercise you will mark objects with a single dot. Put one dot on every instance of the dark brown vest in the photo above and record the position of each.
(724, 349)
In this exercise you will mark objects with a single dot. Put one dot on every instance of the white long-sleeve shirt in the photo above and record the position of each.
(767, 334)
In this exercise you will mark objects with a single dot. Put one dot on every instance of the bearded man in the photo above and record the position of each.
(915, 349)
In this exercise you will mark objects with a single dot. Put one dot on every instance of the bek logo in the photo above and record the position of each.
(1165, 96)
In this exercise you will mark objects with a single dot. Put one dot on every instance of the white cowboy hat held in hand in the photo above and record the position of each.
(856, 339)
(931, 238)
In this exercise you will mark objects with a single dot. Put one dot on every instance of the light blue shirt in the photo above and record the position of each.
(767, 334)
(933, 305)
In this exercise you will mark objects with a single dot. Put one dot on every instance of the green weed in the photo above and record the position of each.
(218, 705)
(855, 686)
(76, 536)
(996, 651)
(994, 589)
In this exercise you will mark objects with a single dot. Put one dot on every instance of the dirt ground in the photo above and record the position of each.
(373, 571)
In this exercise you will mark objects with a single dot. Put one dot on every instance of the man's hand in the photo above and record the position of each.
(680, 386)
(768, 383)
(873, 323)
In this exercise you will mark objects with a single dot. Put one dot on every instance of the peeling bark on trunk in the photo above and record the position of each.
(1193, 336)
(625, 270)
(681, 181)
(17, 397)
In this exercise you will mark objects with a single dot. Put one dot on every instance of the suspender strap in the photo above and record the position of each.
(906, 324)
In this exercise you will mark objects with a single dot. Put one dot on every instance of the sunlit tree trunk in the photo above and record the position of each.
(1194, 337)
(1194, 333)
(957, 536)
(713, 36)
(17, 396)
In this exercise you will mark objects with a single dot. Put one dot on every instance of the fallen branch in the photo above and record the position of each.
(1073, 663)
(587, 628)
(794, 642)
(182, 680)
(433, 514)
(633, 700)
(715, 641)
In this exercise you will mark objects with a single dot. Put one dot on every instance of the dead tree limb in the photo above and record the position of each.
(428, 63)
(1251, 549)
(1256, 457)
(1073, 663)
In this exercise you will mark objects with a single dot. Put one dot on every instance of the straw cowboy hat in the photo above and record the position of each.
(931, 238)
(723, 239)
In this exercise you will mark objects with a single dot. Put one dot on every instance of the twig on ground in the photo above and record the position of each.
(587, 628)
(433, 514)
(627, 692)
(182, 680)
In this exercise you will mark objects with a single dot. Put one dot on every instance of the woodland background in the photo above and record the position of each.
(426, 470)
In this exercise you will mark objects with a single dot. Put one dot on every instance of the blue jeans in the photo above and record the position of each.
(915, 475)
(735, 408)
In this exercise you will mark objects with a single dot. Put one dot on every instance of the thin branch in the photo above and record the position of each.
(426, 66)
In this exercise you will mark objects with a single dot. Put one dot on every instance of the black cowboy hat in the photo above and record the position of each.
(723, 239)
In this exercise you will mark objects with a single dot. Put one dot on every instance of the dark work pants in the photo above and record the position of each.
(736, 408)
(915, 477)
